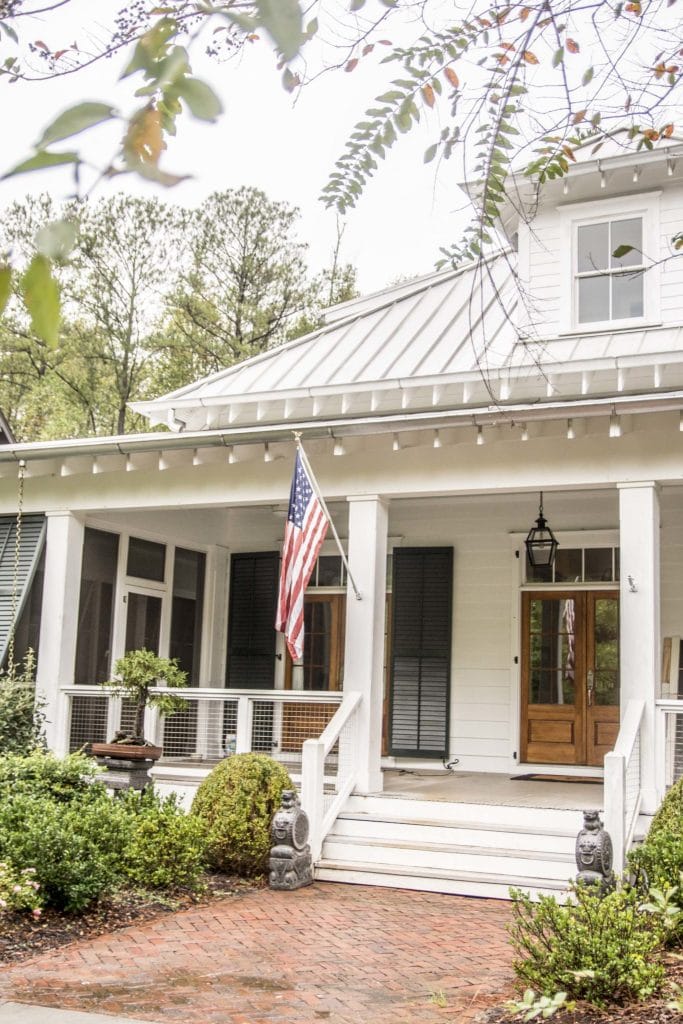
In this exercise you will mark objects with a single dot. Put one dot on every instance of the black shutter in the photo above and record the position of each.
(251, 622)
(421, 651)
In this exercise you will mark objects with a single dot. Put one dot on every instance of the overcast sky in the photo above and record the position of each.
(264, 139)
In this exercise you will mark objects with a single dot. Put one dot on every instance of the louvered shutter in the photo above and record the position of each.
(421, 651)
(251, 621)
(30, 548)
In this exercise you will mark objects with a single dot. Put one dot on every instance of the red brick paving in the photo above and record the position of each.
(341, 953)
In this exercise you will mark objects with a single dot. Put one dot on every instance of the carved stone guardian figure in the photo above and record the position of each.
(594, 854)
(291, 866)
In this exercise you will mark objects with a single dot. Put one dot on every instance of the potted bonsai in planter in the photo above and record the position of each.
(135, 674)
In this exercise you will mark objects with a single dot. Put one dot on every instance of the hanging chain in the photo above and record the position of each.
(11, 668)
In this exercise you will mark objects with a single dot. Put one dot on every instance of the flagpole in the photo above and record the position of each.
(314, 483)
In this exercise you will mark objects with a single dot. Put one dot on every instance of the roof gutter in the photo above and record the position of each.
(130, 444)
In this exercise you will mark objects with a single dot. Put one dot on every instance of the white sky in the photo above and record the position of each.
(264, 139)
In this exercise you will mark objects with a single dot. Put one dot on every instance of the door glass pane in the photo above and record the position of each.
(627, 296)
(143, 621)
(627, 232)
(593, 247)
(317, 645)
(593, 299)
(552, 651)
(606, 651)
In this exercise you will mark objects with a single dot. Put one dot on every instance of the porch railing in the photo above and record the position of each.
(623, 782)
(215, 723)
(329, 770)
(670, 740)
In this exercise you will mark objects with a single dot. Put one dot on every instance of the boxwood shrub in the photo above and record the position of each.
(236, 803)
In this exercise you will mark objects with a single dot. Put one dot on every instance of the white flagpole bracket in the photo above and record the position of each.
(316, 488)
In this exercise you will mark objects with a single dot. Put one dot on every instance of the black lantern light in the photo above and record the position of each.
(540, 542)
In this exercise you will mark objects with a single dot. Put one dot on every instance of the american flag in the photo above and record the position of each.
(304, 534)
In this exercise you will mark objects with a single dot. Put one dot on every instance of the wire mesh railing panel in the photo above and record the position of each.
(204, 730)
(341, 762)
(302, 721)
(673, 746)
(127, 720)
(633, 781)
(88, 721)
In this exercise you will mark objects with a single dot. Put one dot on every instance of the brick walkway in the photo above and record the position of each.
(342, 953)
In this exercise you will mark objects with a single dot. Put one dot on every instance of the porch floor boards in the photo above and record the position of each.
(491, 788)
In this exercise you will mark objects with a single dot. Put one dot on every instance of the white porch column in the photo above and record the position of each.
(639, 599)
(59, 622)
(364, 643)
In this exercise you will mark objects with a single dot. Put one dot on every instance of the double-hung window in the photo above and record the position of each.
(609, 286)
(610, 254)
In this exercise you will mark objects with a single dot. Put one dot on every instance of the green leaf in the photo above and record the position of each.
(5, 287)
(282, 19)
(56, 240)
(356, 5)
(41, 298)
(9, 31)
(587, 76)
(200, 98)
(41, 161)
(74, 121)
(622, 250)
(430, 153)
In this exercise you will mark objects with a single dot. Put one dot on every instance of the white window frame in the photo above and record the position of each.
(576, 215)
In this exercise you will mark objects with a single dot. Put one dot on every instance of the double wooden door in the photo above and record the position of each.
(570, 676)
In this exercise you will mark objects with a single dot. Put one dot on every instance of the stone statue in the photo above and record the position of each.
(594, 854)
(291, 866)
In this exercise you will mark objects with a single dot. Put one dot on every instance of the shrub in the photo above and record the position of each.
(21, 716)
(42, 774)
(236, 803)
(76, 847)
(19, 890)
(661, 854)
(165, 847)
(597, 949)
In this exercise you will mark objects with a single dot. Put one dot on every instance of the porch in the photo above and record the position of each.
(439, 830)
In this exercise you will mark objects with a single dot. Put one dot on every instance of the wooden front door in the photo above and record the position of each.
(570, 676)
(321, 668)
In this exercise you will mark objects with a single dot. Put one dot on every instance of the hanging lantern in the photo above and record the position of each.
(540, 542)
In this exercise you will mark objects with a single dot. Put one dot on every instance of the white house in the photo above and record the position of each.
(434, 414)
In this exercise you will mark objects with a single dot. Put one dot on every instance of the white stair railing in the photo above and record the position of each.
(329, 769)
(623, 783)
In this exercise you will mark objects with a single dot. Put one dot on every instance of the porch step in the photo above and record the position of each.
(437, 846)
(463, 832)
(455, 883)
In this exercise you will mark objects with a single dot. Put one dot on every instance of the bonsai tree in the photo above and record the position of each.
(134, 676)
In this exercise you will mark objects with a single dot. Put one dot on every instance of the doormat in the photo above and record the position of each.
(556, 778)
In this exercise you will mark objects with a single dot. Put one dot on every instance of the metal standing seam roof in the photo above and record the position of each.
(446, 326)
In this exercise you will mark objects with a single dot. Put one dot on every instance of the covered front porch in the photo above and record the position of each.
(497, 704)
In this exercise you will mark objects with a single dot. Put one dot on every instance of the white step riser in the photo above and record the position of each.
(451, 886)
(454, 835)
(533, 818)
(413, 859)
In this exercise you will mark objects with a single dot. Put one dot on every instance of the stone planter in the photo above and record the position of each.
(127, 764)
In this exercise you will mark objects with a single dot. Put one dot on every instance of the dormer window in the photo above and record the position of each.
(601, 291)
(609, 287)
